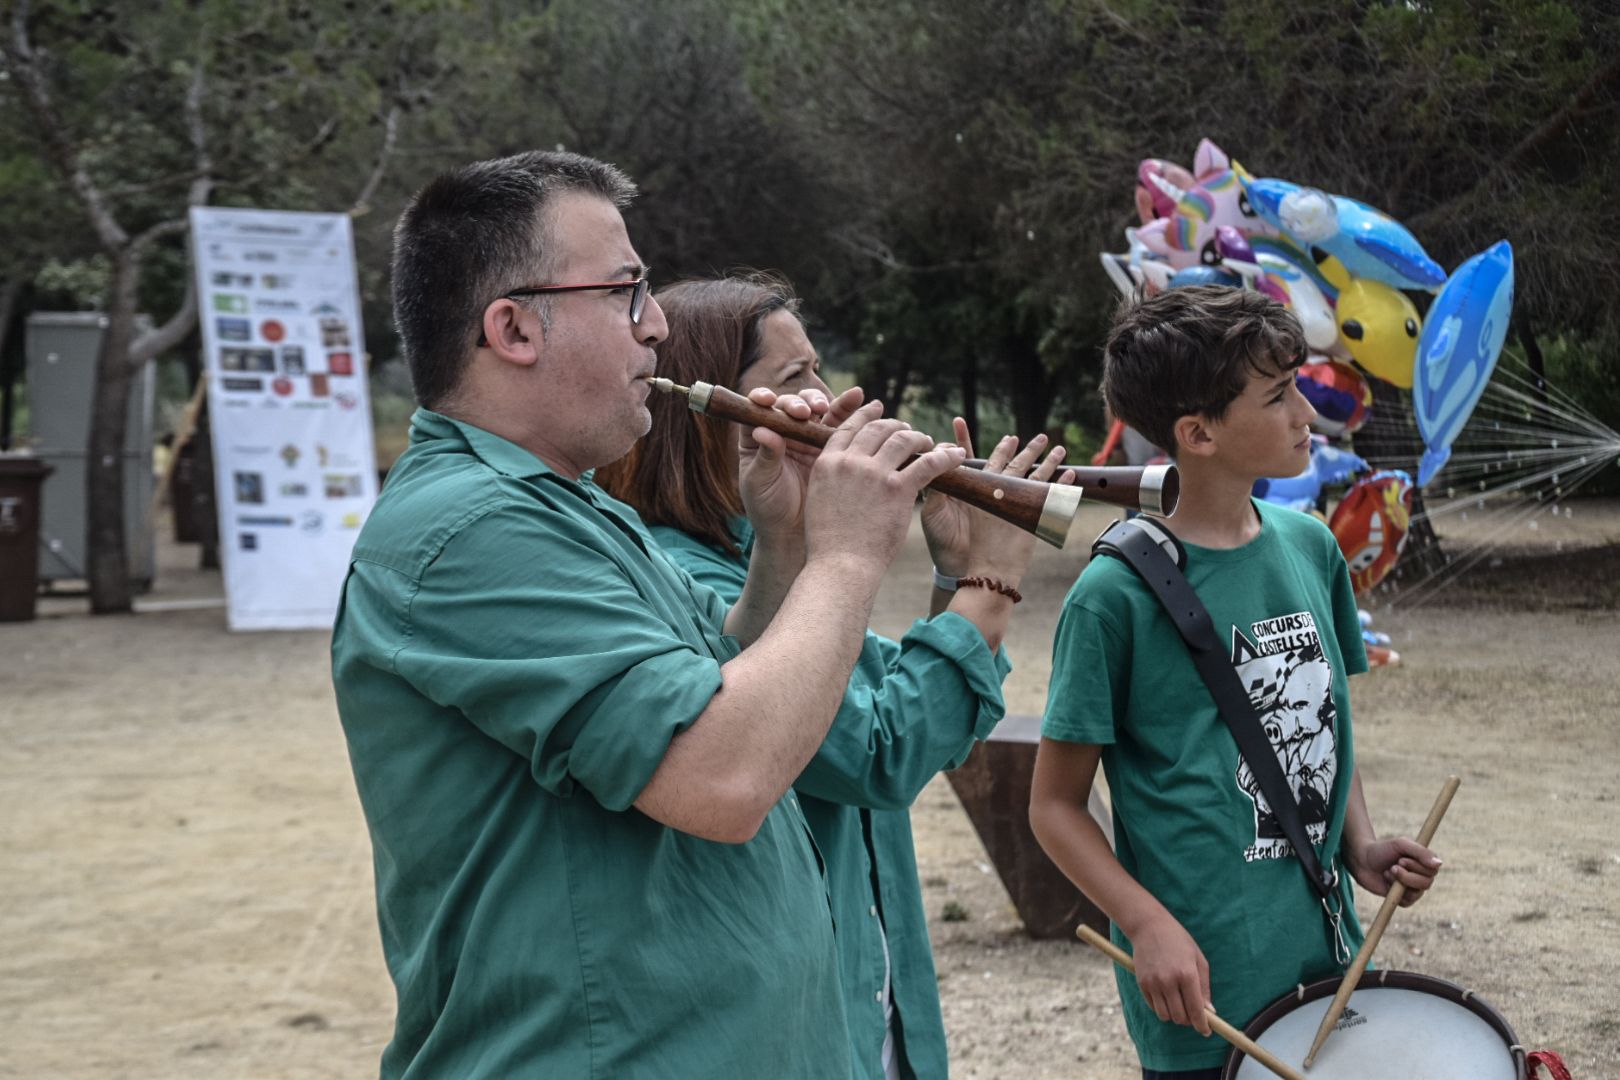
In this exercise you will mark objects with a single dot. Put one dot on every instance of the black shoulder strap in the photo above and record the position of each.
(1150, 549)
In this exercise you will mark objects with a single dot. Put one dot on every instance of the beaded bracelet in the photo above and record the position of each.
(992, 584)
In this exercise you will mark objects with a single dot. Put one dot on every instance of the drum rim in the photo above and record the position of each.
(1375, 979)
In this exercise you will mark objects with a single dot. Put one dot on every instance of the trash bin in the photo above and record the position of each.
(20, 481)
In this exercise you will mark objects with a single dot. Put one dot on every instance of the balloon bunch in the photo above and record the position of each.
(1344, 269)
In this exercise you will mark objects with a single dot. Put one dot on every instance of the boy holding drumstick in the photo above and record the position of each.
(1205, 885)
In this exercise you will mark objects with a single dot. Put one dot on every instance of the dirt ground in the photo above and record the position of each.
(186, 884)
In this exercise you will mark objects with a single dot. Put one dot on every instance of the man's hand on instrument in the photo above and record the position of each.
(1380, 863)
(862, 490)
(775, 472)
(965, 541)
(1172, 972)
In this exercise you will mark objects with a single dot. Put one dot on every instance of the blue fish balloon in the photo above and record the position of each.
(1462, 338)
(1329, 465)
(1369, 242)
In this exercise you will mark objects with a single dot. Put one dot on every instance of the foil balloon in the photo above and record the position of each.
(1341, 397)
(1126, 270)
(1186, 236)
(1328, 466)
(1371, 523)
(1284, 281)
(1302, 296)
(1377, 324)
(1467, 325)
(1377, 644)
(1151, 201)
(1205, 275)
(1370, 243)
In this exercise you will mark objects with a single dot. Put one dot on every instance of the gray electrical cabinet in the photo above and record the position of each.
(61, 373)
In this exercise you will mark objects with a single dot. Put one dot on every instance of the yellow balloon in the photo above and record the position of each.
(1378, 324)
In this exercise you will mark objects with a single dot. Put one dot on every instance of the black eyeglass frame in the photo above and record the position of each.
(641, 288)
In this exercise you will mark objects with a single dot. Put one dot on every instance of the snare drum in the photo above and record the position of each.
(1395, 1024)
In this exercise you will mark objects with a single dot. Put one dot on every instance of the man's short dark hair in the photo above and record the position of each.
(1190, 352)
(467, 238)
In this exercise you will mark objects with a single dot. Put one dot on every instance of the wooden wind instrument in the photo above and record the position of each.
(1047, 510)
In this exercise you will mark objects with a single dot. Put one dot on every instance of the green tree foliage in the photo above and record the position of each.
(938, 179)
(140, 111)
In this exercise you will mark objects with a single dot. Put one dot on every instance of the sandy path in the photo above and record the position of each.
(187, 888)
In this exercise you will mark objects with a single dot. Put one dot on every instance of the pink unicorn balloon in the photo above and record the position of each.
(1184, 230)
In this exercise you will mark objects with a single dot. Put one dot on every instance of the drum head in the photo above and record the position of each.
(1396, 1024)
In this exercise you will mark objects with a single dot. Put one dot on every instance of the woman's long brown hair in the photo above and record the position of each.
(681, 474)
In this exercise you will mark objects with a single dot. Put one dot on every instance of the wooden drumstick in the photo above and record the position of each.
(1219, 1026)
(1392, 900)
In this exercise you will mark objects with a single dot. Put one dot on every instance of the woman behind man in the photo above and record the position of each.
(912, 707)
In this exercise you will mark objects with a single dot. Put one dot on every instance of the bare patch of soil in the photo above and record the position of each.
(187, 885)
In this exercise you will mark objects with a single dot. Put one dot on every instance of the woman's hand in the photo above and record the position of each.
(963, 540)
(774, 472)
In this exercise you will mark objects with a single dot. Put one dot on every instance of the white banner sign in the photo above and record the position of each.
(294, 463)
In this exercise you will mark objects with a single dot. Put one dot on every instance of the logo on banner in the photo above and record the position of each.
(341, 485)
(249, 487)
(247, 359)
(334, 333)
(345, 400)
(272, 330)
(290, 455)
(310, 521)
(282, 386)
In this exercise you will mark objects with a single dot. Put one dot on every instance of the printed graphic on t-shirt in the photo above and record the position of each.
(1290, 682)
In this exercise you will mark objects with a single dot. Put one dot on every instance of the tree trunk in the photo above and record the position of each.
(106, 549)
(1532, 355)
(1031, 393)
(9, 295)
(970, 401)
(204, 511)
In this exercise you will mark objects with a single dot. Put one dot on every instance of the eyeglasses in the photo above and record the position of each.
(640, 287)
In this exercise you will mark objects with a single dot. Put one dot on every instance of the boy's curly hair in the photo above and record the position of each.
(1190, 352)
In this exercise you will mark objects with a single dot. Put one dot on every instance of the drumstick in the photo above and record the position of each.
(1221, 1027)
(1392, 900)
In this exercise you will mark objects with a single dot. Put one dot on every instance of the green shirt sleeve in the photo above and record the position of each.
(1091, 663)
(911, 709)
(558, 658)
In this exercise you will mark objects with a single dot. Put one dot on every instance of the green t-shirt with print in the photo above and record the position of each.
(1189, 822)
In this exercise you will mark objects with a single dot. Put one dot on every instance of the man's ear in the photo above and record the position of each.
(512, 333)
(1193, 435)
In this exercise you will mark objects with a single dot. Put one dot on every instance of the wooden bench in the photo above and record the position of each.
(993, 786)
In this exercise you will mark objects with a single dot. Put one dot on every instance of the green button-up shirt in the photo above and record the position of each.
(912, 708)
(512, 657)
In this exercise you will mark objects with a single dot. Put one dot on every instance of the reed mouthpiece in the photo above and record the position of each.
(668, 386)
